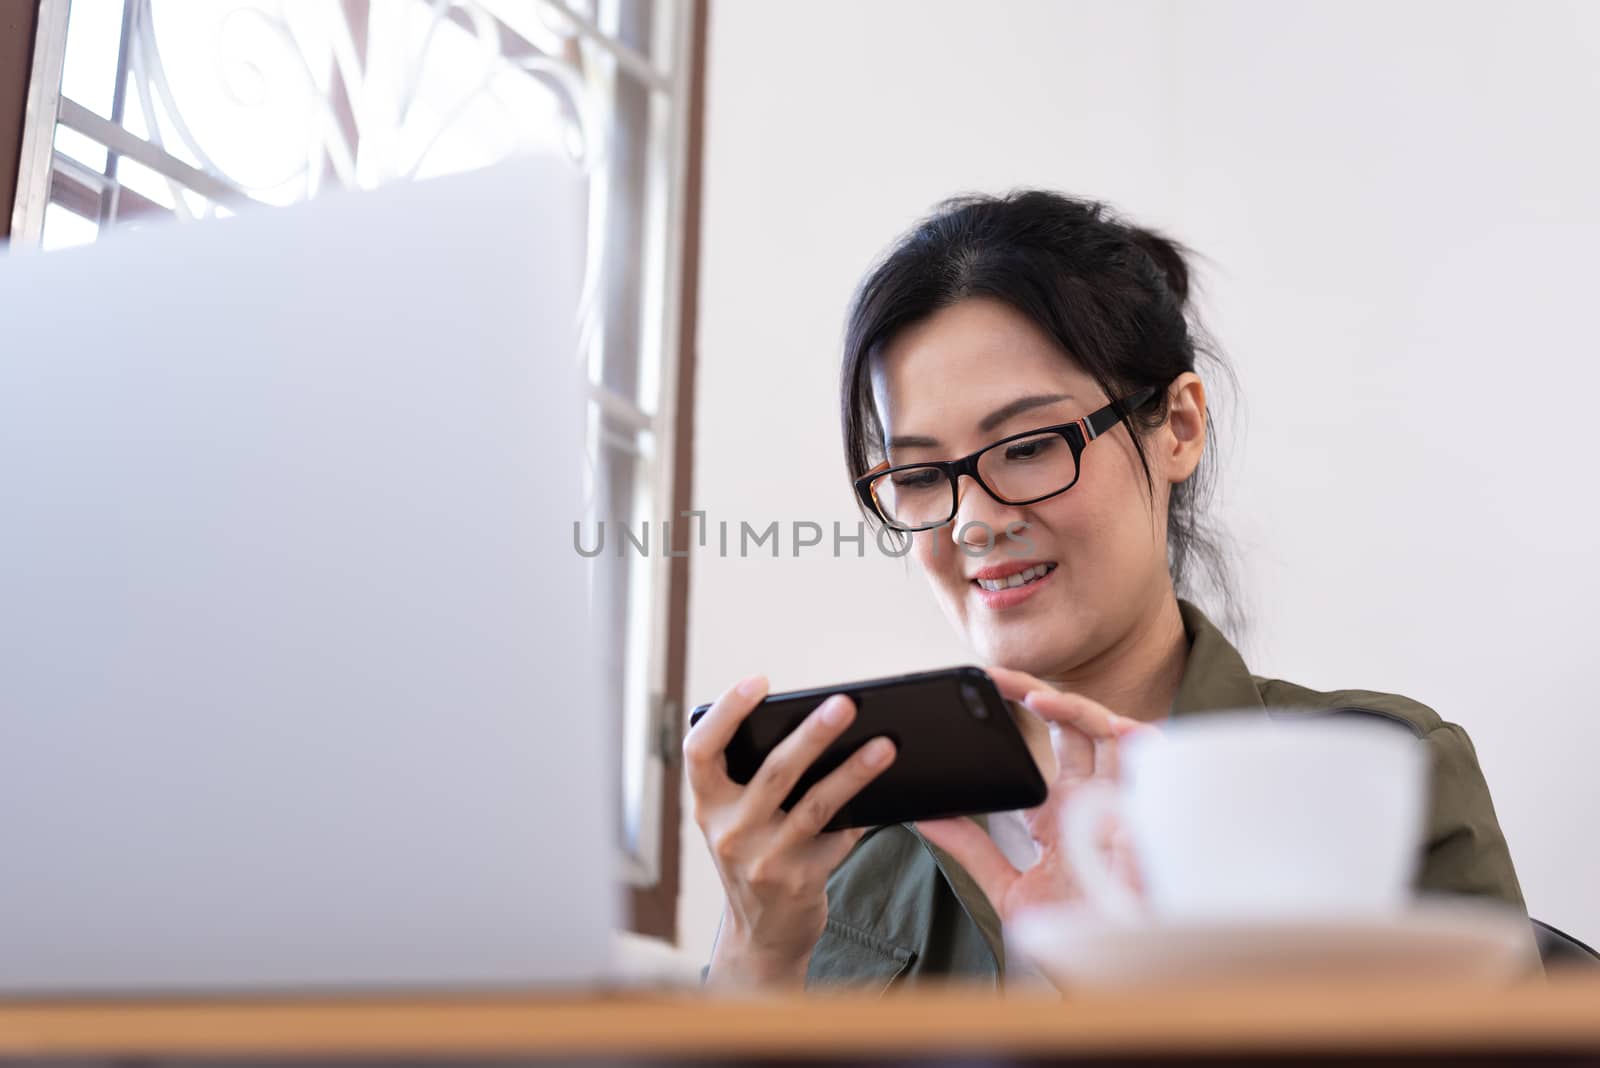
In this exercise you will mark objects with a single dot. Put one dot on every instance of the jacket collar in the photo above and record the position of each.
(1214, 676)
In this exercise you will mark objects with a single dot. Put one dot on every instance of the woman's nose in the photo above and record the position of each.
(980, 520)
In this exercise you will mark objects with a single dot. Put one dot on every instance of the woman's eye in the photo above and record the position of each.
(1028, 450)
(912, 480)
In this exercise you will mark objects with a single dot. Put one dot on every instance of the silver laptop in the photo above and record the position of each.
(296, 689)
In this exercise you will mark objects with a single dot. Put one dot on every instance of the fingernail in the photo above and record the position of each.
(877, 752)
(835, 711)
(753, 685)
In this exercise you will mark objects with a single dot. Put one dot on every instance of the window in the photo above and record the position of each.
(146, 110)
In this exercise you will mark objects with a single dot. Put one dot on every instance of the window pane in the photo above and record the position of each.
(89, 70)
(143, 180)
(63, 229)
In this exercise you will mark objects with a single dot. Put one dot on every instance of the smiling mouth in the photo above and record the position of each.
(1021, 578)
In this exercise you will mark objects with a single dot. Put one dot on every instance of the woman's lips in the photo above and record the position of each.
(1011, 596)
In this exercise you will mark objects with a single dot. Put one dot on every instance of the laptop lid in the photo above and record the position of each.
(296, 684)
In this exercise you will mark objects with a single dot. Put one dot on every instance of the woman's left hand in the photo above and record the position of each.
(1084, 735)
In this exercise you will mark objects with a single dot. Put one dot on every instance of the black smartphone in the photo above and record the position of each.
(958, 750)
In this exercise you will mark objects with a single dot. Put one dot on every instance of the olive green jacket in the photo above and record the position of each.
(901, 909)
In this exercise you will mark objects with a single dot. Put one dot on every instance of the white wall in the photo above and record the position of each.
(1401, 204)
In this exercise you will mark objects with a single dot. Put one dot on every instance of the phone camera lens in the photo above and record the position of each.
(974, 701)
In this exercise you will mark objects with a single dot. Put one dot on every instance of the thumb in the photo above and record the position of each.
(975, 851)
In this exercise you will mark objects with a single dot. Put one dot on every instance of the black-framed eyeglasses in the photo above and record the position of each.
(1024, 468)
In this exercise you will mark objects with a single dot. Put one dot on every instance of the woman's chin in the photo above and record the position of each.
(1019, 642)
(1032, 653)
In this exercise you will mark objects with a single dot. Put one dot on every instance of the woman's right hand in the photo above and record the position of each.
(774, 865)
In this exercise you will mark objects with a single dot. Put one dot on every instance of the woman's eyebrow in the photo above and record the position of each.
(988, 422)
(1018, 406)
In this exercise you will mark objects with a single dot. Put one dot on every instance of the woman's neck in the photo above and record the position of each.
(1138, 675)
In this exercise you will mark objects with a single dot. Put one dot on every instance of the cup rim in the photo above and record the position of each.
(1210, 727)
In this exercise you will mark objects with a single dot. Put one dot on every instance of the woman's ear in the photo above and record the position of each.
(1184, 436)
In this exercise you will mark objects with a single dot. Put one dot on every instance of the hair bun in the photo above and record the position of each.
(1169, 257)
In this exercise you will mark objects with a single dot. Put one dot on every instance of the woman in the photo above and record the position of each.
(1046, 340)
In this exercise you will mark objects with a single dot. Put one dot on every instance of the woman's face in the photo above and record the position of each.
(978, 371)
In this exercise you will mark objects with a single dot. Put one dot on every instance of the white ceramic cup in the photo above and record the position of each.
(1246, 816)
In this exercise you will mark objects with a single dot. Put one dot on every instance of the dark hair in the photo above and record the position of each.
(1112, 295)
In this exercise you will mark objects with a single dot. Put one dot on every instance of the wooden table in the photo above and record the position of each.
(1553, 1022)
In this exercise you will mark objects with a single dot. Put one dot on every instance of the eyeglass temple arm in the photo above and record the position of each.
(1099, 422)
